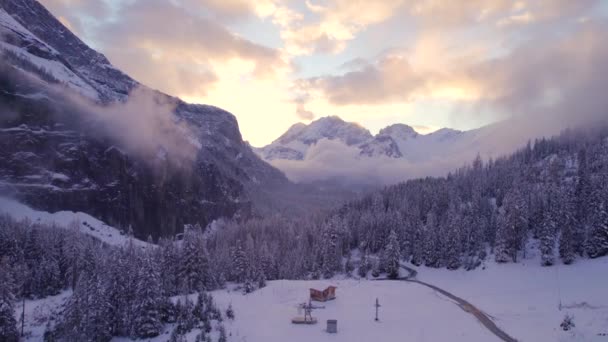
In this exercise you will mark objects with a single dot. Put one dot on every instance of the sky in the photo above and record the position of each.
(425, 63)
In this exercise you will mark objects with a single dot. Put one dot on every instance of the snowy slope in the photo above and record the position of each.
(84, 222)
(25, 45)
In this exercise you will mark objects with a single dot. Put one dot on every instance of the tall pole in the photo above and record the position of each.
(23, 317)
(377, 306)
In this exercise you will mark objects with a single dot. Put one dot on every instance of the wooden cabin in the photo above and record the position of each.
(322, 296)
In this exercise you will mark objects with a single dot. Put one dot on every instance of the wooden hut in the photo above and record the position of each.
(322, 296)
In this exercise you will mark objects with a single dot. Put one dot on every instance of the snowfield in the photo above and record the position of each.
(408, 312)
(86, 223)
(522, 299)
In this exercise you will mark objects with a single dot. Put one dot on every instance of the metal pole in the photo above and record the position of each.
(377, 306)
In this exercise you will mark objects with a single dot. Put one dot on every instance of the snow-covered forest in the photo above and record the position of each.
(553, 190)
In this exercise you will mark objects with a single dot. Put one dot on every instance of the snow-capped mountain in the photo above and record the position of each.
(294, 143)
(54, 155)
(349, 153)
(394, 141)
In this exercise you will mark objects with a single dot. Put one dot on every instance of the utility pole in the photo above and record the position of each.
(377, 306)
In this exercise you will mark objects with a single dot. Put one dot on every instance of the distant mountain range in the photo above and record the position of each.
(394, 141)
(396, 153)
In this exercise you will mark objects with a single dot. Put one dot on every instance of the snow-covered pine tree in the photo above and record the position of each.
(582, 204)
(47, 277)
(547, 233)
(597, 240)
(330, 248)
(169, 268)
(230, 312)
(501, 247)
(393, 255)
(431, 241)
(8, 324)
(364, 264)
(513, 225)
(240, 263)
(452, 243)
(568, 239)
(418, 244)
(186, 320)
(194, 261)
(148, 318)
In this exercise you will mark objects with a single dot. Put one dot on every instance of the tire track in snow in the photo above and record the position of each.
(482, 317)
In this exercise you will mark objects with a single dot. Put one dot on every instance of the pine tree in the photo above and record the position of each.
(431, 241)
(331, 249)
(547, 237)
(501, 248)
(452, 243)
(222, 337)
(240, 263)
(597, 241)
(364, 265)
(393, 256)
(513, 225)
(194, 262)
(230, 312)
(418, 245)
(148, 317)
(8, 324)
(186, 320)
(568, 239)
(582, 204)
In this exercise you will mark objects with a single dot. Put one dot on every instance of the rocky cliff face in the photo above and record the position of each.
(53, 155)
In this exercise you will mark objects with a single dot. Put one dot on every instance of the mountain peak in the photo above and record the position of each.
(329, 127)
(399, 131)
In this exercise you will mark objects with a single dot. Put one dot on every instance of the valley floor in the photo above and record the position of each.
(523, 299)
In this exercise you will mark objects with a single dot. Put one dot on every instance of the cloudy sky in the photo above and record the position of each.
(427, 63)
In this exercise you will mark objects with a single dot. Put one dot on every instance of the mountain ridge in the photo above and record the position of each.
(390, 141)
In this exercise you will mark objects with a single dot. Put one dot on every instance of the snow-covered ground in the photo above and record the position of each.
(38, 312)
(86, 223)
(524, 298)
(408, 312)
(521, 298)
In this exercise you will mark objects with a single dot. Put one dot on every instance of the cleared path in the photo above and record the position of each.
(463, 304)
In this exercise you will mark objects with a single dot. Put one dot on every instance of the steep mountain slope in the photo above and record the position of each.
(77, 134)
